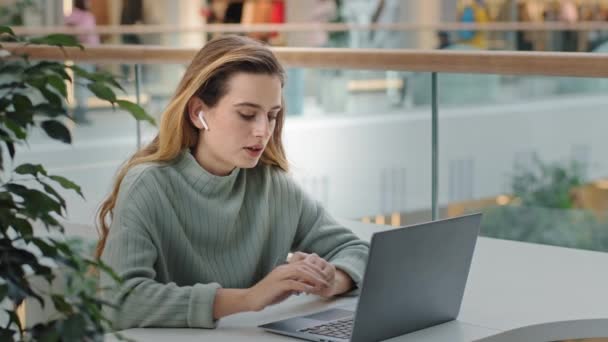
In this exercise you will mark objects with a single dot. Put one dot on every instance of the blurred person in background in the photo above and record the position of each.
(131, 14)
(477, 12)
(387, 12)
(320, 12)
(524, 39)
(357, 12)
(443, 39)
(569, 14)
(82, 19)
(233, 13)
(594, 38)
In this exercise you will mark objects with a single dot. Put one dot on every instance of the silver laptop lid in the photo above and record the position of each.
(415, 277)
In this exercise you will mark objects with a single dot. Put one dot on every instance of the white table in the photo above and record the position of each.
(511, 285)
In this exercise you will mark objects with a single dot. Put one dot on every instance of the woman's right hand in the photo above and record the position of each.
(284, 281)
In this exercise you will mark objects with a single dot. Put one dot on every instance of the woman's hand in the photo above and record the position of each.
(339, 281)
(284, 281)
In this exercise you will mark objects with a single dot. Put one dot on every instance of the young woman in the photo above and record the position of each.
(203, 218)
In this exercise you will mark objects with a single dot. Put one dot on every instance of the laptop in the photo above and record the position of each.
(415, 278)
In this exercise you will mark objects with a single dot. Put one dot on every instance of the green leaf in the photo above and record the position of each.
(36, 203)
(135, 110)
(48, 67)
(44, 247)
(18, 284)
(51, 97)
(22, 118)
(36, 82)
(46, 332)
(7, 30)
(3, 291)
(57, 131)
(106, 77)
(22, 103)
(57, 39)
(50, 110)
(5, 103)
(15, 128)
(61, 305)
(74, 328)
(14, 319)
(22, 226)
(40, 83)
(30, 169)
(59, 84)
(67, 184)
(49, 222)
(55, 194)
(7, 335)
(102, 91)
(11, 148)
(80, 72)
(11, 68)
(8, 141)
(16, 85)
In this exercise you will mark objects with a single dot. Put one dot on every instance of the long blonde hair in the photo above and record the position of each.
(207, 78)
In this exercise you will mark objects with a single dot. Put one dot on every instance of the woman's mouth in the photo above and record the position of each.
(254, 151)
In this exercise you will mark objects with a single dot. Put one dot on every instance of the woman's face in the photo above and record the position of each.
(241, 124)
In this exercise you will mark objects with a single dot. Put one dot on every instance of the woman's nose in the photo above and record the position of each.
(261, 126)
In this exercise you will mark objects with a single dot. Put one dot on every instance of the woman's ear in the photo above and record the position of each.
(197, 109)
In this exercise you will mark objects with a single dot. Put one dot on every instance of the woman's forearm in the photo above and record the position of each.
(229, 301)
(344, 283)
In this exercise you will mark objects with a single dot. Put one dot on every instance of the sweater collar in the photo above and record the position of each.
(201, 179)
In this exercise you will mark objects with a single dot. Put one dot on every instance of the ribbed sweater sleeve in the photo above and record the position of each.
(320, 233)
(132, 254)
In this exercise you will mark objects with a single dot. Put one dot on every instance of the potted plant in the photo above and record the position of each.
(33, 94)
(544, 208)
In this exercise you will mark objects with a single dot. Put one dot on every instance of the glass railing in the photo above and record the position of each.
(528, 152)
(398, 137)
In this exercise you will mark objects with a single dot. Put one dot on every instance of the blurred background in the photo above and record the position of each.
(528, 151)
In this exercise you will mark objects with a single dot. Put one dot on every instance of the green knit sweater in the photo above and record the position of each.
(179, 233)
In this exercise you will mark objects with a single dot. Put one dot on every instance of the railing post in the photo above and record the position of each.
(434, 149)
(138, 100)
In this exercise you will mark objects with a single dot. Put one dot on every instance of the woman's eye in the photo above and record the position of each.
(272, 117)
(247, 116)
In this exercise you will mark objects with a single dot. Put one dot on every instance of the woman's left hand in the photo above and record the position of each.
(339, 281)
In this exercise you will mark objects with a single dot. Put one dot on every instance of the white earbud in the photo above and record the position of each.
(202, 120)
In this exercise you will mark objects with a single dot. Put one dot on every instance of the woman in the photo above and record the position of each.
(204, 217)
(82, 19)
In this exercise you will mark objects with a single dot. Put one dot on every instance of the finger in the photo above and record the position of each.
(320, 262)
(326, 269)
(297, 256)
(313, 266)
(314, 258)
(317, 271)
(306, 274)
(329, 272)
(319, 278)
(297, 286)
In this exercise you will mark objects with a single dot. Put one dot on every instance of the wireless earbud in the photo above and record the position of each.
(202, 120)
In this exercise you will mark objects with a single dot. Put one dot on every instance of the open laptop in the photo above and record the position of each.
(415, 278)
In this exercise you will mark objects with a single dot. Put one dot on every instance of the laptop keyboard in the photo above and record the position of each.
(339, 329)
